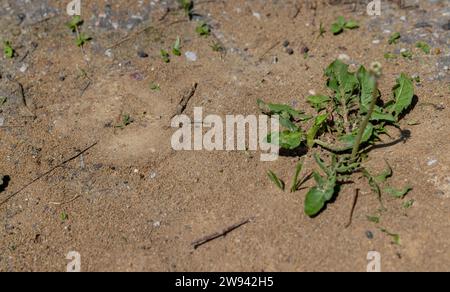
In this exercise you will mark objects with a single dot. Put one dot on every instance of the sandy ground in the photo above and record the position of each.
(131, 203)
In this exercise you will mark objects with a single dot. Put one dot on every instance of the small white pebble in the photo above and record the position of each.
(109, 53)
(375, 42)
(191, 56)
(136, 170)
(23, 68)
(403, 18)
(312, 92)
(432, 162)
(2, 121)
(157, 224)
(257, 15)
(344, 58)
(153, 175)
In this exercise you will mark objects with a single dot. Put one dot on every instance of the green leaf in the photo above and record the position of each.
(165, 56)
(82, 39)
(176, 50)
(318, 196)
(387, 173)
(295, 183)
(336, 28)
(395, 237)
(74, 23)
(400, 194)
(350, 139)
(374, 219)
(390, 56)
(393, 39)
(286, 139)
(379, 115)
(403, 95)
(424, 47)
(312, 132)
(274, 178)
(340, 80)
(407, 54)
(8, 50)
(408, 204)
(319, 102)
(367, 87)
(3, 100)
(351, 24)
(281, 109)
(203, 29)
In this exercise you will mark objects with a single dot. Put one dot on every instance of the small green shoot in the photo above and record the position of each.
(155, 87)
(176, 50)
(322, 31)
(408, 204)
(203, 29)
(64, 216)
(395, 237)
(165, 56)
(217, 47)
(296, 183)
(3, 100)
(407, 54)
(274, 178)
(389, 56)
(126, 121)
(399, 194)
(394, 38)
(424, 47)
(341, 24)
(75, 23)
(187, 6)
(82, 39)
(373, 219)
(8, 50)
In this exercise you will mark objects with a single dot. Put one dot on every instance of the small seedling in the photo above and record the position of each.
(187, 6)
(216, 47)
(165, 56)
(126, 121)
(74, 25)
(64, 216)
(390, 56)
(395, 237)
(408, 204)
(274, 178)
(399, 194)
(424, 47)
(155, 87)
(373, 219)
(341, 24)
(394, 38)
(8, 50)
(3, 100)
(203, 29)
(322, 31)
(176, 49)
(407, 54)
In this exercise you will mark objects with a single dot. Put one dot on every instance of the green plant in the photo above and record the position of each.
(126, 121)
(277, 181)
(155, 87)
(341, 24)
(8, 50)
(203, 29)
(424, 47)
(407, 54)
(176, 49)
(187, 6)
(64, 216)
(165, 56)
(74, 25)
(322, 30)
(3, 100)
(351, 119)
(394, 38)
(217, 47)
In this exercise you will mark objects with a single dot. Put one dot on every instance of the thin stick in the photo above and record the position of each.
(185, 100)
(355, 200)
(65, 202)
(223, 233)
(268, 50)
(47, 173)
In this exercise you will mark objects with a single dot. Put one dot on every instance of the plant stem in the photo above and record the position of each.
(366, 120)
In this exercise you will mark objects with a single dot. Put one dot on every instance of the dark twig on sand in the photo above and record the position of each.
(355, 200)
(47, 173)
(223, 233)
(185, 100)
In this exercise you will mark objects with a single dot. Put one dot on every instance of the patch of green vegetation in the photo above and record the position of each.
(276, 180)
(395, 237)
(187, 6)
(408, 204)
(74, 25)
(424, 47)
(126, 121)
(394, 38)
(390, 56)
(64, 216)
(165, 56)
(8, 50)
(341, 24)
(217, 47)
(203, 29)
(373, 219)
(407, 54)
(322, 31)
(176, 49)
(3, 100)
(351, 119)
(155, 87)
